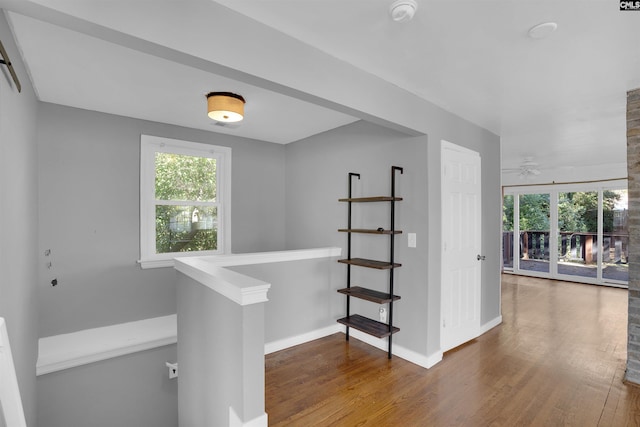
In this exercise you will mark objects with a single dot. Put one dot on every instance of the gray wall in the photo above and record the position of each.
(317, 171)
(221, 356)
(302, 297)
(18, 221)
(89, 215)
(132, 390)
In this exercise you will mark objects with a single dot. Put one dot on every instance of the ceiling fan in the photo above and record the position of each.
(527, 168)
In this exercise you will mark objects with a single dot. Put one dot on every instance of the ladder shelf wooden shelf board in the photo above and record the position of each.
(361, 323)
(369, 231)
(369, 294)
(370, 263)
(369, 326)
(371, 199)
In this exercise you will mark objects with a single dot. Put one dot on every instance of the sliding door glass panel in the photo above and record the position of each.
(507, 231)
(534, 232)
(578, 234)
(615, 235)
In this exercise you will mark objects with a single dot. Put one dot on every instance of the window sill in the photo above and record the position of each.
(147, 263)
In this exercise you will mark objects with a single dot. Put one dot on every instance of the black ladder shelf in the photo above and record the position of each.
(356, 321)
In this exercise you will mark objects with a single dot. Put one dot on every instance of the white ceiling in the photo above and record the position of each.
(74, 69)
(560, 100)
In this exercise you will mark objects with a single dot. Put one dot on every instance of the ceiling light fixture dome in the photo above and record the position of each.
(403, 10)
(225, 106)
(543, 30)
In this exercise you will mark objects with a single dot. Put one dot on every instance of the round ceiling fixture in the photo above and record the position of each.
(543, 30)
(403, 10)
(225, 106)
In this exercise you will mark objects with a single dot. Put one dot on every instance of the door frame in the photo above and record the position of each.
(477, 330)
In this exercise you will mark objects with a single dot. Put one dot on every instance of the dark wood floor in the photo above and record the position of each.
(557, 360)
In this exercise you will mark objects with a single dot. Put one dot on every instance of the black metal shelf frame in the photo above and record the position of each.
(370, 326)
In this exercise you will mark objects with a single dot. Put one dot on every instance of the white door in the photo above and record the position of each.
(461, 243)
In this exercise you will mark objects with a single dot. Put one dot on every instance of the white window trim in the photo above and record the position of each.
(152, 144)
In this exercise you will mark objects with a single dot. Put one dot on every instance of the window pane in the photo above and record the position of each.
(578, 233)
(507, 231)
(186, 228)
(180, 177)
(534, 232)
(615, 264)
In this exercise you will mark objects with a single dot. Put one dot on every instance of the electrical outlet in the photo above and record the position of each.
(383, 315)
(173, 369)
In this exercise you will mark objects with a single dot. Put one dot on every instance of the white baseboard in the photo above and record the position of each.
(426, 361)
(397, 350)
(490, 324)
(278, 345)
(235, 421)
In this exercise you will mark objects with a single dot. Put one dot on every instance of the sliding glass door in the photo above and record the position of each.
(534, 230)
(615, 263)
(569, 232)
(578, 233)
(507, 231)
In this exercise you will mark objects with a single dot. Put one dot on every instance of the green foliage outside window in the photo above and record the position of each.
(577, 211)
(507, 213)
(534, 212)
(192, 224)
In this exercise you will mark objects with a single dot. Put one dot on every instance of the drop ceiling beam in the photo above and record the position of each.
(231, 45)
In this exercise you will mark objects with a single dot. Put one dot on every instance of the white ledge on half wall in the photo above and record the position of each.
(66, 351)
(242, 289)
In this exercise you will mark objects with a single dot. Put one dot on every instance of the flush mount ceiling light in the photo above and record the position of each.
(543, 30)
(225, 106)
(403, 10)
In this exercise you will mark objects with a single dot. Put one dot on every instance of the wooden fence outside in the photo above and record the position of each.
(581, 247)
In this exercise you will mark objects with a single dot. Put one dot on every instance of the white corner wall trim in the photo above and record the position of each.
(437, 357)
(278, 345)
(10, 400)
(235, 421)
(490, 324)
(66, 351)
(242, 289)
(239, 288)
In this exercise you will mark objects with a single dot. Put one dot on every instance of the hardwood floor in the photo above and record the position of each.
(558, 359)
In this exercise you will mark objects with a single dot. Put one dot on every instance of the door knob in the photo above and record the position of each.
(481, 257)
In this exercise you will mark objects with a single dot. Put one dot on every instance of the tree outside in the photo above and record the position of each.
(185, 190)
(577, 211)
(534, 212)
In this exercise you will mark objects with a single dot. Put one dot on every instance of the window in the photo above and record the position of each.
(575, 232)
(184, 200)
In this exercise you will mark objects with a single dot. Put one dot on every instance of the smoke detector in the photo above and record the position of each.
(403, 10)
